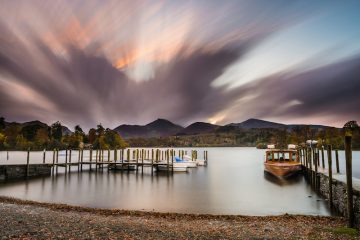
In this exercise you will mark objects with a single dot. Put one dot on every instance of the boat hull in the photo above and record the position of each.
(282, 169)
(175, 168)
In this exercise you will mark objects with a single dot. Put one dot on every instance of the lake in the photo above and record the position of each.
(234, 182)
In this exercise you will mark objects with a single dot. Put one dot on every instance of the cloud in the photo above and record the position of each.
(327, 95)
(76, 63)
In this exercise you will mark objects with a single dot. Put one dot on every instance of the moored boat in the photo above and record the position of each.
(177, 167)
(186, 161)
(199, 162)
(282, 162)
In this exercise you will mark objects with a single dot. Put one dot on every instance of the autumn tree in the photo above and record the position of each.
(56, 131)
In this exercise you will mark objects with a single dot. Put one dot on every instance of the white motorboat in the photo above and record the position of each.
(199, 162)
(187, 160)
(177, 167)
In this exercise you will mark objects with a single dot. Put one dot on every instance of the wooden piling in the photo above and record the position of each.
(323, 157)
(128, 156)
(96, 159)
(57, 159)
(44, 155)
(349, 188)
(70, 160)
(53, 164)
(330, 175)
(316, 154)
(66, 159)
(79, 156)
(337, 161)
(27, 162)
(90, 158)
(142, 160)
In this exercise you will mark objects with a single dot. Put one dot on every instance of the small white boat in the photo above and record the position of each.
(199, 162)
(188, 161)
(177, 167)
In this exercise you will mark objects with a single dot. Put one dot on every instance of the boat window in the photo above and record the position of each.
(276, 156)
(281, 156)
(286, 156)
(294, 156)
(269, 156)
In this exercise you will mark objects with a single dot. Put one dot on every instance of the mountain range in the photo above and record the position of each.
(163, 128)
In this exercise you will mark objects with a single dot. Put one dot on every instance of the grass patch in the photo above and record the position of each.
(344, 231)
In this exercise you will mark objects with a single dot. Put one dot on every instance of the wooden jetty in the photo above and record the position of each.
(340, 189)
(116, 159)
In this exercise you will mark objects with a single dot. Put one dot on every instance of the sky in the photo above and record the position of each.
(116, 62)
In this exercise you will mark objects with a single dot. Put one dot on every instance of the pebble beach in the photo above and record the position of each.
(22, 219)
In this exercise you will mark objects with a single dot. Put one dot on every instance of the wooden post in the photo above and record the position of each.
(70, 160)
(90, 159)
(330, 175)
(137, 159)
(28, 162)
(316, 154)
(96, 159)
(53, 160)
(57, 159)
(349, 188)
(167, 164)
(44, 155)
(7, 155)
(79, 156)
(66, 159)
(142, 160)
(152, 161)
(115, 155)
(311, 164)
(82, 159)
(128, 156)
(323, 157)
(172, 161)
(337, 161)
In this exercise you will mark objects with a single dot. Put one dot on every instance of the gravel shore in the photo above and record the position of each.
(22, 219)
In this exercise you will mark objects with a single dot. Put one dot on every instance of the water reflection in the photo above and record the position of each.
(233, 183)
(294, 179)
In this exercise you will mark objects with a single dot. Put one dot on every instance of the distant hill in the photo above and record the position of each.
(157, 128)
(198, 128)
(258, 123)
(29, 128)
(165, 128)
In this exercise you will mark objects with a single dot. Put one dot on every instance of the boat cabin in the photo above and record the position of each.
(277, 155)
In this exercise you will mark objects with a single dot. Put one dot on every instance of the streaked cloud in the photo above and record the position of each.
(133, 61)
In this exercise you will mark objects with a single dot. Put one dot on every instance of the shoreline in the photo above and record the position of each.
(26, 219)
(140, 213)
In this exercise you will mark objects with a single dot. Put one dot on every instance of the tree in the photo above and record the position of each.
(2, 123)
(2, 141)
(113, 139)
(11, 133)
(100, 130)
(78, 130)
(92, 135)
(29, 131)
(56, 131)
(42, 137)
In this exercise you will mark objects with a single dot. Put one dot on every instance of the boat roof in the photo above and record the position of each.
(280, 150)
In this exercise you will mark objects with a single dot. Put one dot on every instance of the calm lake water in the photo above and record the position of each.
(234, 182)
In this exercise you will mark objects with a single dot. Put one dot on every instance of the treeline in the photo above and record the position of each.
(37, 136)
(230, 136)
